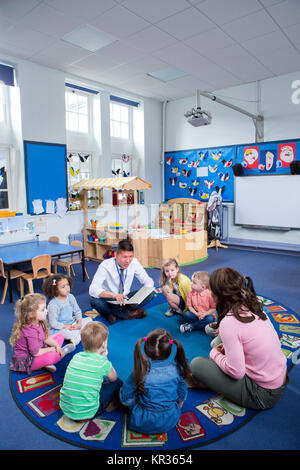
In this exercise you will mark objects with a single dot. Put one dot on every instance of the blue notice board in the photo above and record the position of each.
(196, 173)
(45, 172)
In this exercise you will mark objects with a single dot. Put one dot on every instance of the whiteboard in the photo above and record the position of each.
(269, 200)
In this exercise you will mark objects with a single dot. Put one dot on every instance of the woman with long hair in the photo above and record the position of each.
(248, 366)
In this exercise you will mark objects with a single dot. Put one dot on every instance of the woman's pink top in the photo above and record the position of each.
(253, 349)
(31, 339)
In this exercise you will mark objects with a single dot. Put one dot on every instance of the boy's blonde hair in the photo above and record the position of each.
(202, 276)
(163, 278)
(25, 311)
(93, 335)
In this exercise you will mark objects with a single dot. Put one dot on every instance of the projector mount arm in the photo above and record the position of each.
(258, 120)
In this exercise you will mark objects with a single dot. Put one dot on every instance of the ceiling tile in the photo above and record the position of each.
(190, 83)
(186, 23)
(155, 10)
(209, 41)
(293, 33)
(286, 13)
(151, 39)
(10, 49)
(120, 22)
(95, 62)
(282, 61)
(146, 64)
(250, 26)
(48, 20)
(59, 55)
(268, 42)
(16, 9)
(222, 12)
(240, 63)
(32, 41)
(120, 52)
(90, 9)
(268, 3)
(178, 54)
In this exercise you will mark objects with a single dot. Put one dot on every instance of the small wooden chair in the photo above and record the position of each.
(41, 268)
(53, 239)
(67, 263)
(14, 274)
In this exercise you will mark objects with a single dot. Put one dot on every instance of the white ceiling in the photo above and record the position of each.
(218, 43)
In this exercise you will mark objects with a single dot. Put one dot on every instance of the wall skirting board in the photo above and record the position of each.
(260, 245)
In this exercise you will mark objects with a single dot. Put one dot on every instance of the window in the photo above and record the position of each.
(77, 111)
(119, 121)
(2, 104)
(79, 168)
(4, 199)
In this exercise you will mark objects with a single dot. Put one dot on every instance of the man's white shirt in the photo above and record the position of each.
(107, 277)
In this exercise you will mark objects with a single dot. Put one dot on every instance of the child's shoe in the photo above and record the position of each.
(70, 347)
(185, 327)
(169, 313)
(50, 368)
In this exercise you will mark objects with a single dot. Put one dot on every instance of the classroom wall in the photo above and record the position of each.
(282, 121)
(42, 109)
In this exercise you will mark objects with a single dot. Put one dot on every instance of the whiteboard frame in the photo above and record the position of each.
(282, 185)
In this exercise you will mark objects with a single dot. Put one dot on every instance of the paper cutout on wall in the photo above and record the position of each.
(37, 206)
(40, 225)
(61, 206)
(286, 154)
(50, 207)
(250, 159)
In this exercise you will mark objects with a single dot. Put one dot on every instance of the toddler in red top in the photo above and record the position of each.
(201, 306)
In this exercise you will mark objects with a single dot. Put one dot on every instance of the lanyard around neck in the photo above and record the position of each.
(121, 278)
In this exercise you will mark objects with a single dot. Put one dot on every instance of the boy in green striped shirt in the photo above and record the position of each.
(90, 381)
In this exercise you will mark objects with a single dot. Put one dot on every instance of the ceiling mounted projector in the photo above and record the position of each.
(197, 117)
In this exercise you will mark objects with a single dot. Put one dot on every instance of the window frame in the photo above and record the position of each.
(5, 105)
(89, 111)
(130, 121)
(6, 149)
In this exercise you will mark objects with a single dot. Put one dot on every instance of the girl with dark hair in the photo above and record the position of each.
(64, 313)
(156, 389)
(248, 367)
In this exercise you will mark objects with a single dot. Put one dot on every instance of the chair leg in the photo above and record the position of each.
(72, 269)
(4, 291)
(30, 286)
(21, 287)
(86, 273)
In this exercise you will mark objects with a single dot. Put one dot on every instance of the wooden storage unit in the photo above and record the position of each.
(182, 215)
(95, 250)
(185, 248)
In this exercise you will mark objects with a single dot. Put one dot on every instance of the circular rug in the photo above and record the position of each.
(205, 416)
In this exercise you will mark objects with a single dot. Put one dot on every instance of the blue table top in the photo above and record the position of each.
(25, 251)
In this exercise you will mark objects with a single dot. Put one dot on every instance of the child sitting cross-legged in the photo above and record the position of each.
(201, 306)
(90, 383)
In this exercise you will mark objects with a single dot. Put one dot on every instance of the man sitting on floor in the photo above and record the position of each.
(112, 281)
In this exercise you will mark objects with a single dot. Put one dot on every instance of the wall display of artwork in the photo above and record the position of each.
(197, 173)
(268, 157)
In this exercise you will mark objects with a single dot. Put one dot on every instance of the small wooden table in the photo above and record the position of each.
(18, 253)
